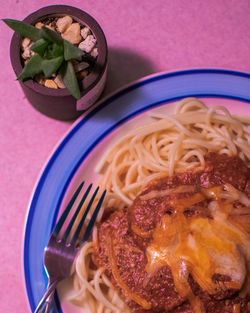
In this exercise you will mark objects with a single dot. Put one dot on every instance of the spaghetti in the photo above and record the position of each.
(170, 144)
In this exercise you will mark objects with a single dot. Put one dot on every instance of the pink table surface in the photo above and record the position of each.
(144, 37)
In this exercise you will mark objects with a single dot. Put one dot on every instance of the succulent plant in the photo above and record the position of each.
(53, 54)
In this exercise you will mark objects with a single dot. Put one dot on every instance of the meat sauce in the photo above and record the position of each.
(130, 239)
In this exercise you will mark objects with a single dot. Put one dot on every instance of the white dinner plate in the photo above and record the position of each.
(76, 156)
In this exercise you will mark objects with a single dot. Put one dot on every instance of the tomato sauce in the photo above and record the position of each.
(125, 236)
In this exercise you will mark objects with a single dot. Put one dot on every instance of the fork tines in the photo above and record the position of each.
(61, 222)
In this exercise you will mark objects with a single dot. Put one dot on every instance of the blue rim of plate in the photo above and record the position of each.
(216, 83)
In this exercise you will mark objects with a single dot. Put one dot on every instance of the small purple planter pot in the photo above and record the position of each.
(59, 103)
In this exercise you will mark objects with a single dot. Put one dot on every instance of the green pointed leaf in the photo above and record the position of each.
(24, 29)
(53, 51)
(50, 67)
(40, 46)
(32, 68)
(71, 51)
(70, 80)
(51, 35)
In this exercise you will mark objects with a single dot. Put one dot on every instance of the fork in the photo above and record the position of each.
(61, 250)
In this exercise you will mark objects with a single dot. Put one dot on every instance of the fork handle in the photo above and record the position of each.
(48, 302)
(47, 298)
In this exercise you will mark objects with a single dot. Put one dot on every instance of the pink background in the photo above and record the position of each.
(144, 37)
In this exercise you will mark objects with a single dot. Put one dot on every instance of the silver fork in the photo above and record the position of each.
(60, 253)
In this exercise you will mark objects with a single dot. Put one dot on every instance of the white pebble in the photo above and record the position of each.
(58, 80)
(88, 44)
(25, 43)
(63, 23)
(94, 53)
(72, 33)
(85, 31)
(78, 67)
(27, 53)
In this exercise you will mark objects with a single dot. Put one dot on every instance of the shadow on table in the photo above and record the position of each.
(124, 66)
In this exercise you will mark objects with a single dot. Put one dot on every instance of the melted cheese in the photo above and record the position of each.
(166, 192)
(127, 291)
(200, 246)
